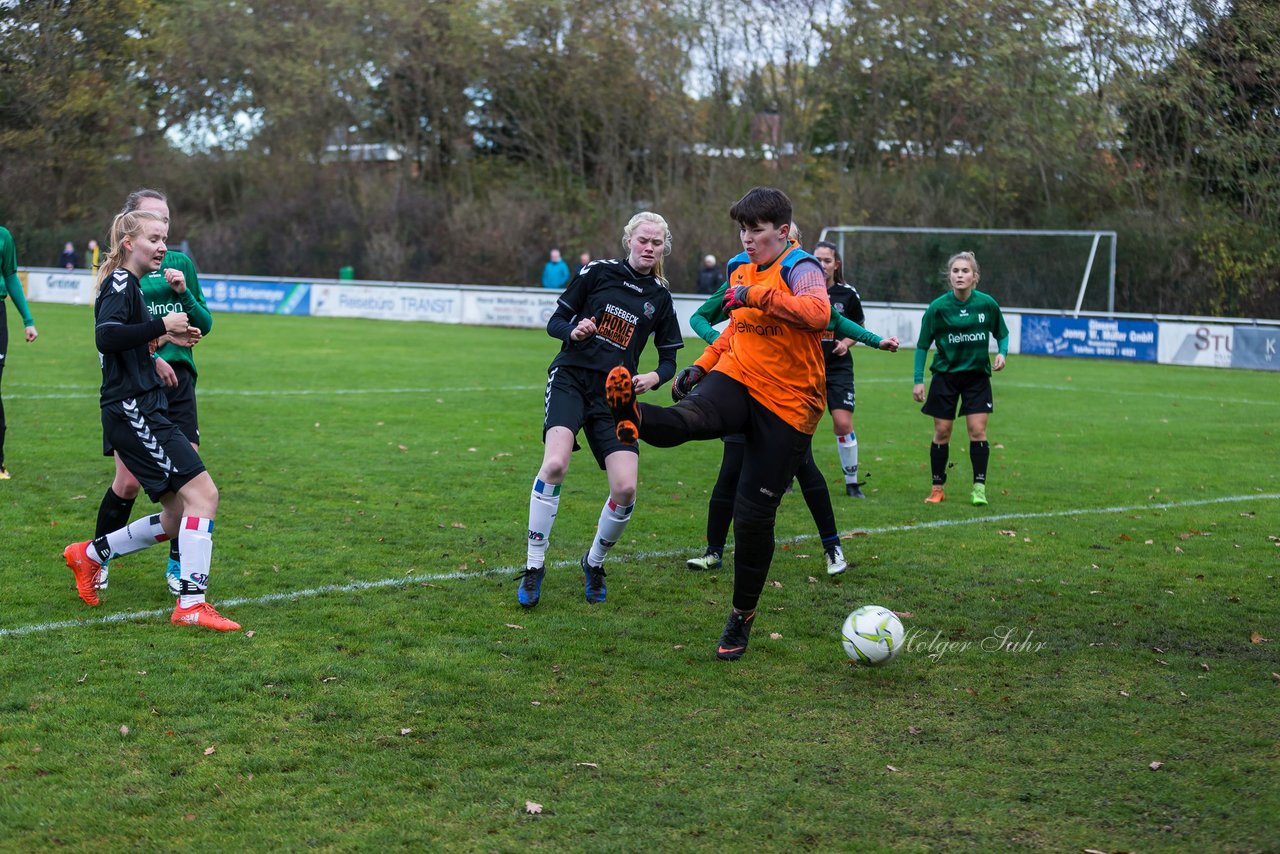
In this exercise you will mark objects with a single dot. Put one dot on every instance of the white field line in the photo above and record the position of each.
(413, 578)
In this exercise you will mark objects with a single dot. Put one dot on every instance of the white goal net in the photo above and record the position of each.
(1022, 268)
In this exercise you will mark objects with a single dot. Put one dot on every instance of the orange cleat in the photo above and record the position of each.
(85, 570)
(202, 614)
(936, 496)
(620, 395)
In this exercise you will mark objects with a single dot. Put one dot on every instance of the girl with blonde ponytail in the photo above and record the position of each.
(136, 425)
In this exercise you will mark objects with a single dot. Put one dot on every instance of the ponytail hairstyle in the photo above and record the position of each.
(126, 224)
(973, 262)
(837, 277)
(656, 219)
(134, 199)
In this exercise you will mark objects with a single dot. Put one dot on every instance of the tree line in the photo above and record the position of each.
(499, 130)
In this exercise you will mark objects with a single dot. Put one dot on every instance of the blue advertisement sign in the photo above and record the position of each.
(1089, 337)
(1255, 347)
(258, 297)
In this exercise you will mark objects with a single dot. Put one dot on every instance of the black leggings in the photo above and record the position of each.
(813, 486)
(721, 406)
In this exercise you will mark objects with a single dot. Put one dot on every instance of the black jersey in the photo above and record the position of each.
(122, 329)
(844, 300)
(628, 307)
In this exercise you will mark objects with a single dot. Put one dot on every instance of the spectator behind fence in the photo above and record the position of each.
(69, 260)
(709, 279)
(555, 273)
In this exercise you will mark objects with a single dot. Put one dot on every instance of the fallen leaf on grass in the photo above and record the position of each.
(775, 584)
(210, 750)
(585, 765)
(531, 808)
(890, 768)
(1162, 662)
(1253, 638)
(1177, 550)
(1124, 693)
(1249, 515)
(914, 730)
(903, 615)
(249, 634)
(1156, 766)
(329, 679)
(514, 626)
(813, 580)
(404, 730)
(79, 497)
(1157, 649)
(678, 646)
(1125, 538)
(535, 702)
(124, 730)
(457, 525)
(1008, 533)
(1204, 666)
(774, 636)
(86, 676)
(1275, 677)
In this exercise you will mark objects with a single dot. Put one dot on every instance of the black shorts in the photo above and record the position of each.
(182, 403)
(972, 389)
(840, 386)
(151, 447)
(575, 400)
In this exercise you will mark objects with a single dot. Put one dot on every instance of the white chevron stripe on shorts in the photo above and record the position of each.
(140, 429)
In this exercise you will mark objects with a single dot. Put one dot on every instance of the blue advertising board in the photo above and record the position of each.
(1255, 347)
(258, 297)
(1089, 337)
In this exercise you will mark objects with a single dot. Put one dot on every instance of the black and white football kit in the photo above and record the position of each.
(846, 301)
(628, 307)
(134, 422)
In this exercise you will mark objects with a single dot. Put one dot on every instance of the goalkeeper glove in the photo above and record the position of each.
(735, 297)
(685, 381)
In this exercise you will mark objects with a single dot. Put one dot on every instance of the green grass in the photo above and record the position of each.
(423, 714)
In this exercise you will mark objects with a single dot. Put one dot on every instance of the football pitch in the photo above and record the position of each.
(1091, 660)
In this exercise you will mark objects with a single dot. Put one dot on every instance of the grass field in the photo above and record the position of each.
(388, 692)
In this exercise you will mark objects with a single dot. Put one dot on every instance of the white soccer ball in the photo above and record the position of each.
(872, 635)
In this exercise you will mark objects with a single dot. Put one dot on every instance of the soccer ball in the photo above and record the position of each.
(872, 635)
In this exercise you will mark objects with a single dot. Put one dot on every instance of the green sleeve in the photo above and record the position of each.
(1002, 333)
(710, 314)
(846, 328)
(9, 275)
(922, 345)
(193, 300)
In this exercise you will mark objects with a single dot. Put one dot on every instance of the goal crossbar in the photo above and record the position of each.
(1097, 236)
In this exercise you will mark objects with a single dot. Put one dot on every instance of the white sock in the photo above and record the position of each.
(848, 447)
(544, 503)
(613, 521)
(134, 537)
(195, 541)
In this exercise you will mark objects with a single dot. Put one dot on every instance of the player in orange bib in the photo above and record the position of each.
(765, 377)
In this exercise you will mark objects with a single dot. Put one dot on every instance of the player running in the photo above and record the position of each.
(134, 423)
(604, 318)
(960, 323)
(176, 367)
(768, 383)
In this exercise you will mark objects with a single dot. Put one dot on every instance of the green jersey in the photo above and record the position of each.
(711, 314)
(10, 285)
(161, 300)
(961, 330)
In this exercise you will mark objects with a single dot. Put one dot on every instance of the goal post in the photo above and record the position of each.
(1025, 268)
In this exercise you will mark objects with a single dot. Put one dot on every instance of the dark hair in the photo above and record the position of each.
(762, 206)
(135, 198)
(838, 276)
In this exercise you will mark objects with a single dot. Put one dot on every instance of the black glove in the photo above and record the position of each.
(685, 381)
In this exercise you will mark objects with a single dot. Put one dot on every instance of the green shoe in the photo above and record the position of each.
(979, 494)
(709, 562)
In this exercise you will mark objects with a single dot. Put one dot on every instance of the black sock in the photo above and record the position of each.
(173, 550)
(113, 513)
(979, 453)
(938, 462)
